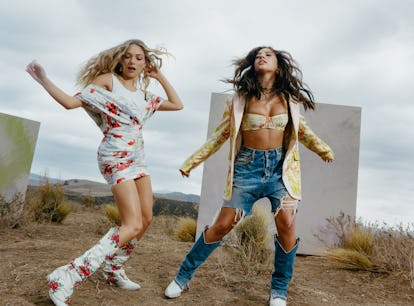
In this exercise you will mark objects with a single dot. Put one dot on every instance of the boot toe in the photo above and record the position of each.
(173, 290)
(277, 302)
(129, 285)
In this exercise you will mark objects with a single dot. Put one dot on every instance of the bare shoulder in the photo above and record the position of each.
(104, 81)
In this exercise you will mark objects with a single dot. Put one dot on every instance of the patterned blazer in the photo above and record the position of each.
(229, 127)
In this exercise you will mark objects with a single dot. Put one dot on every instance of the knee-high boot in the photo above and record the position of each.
(200, 251)
(63, 280)
(283, 271)
(113, 270)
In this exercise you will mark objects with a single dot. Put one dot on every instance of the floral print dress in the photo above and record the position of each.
(120, 115)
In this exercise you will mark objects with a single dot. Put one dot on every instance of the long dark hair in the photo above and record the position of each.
(288, 82)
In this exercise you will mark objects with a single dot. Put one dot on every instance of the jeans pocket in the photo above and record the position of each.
(243, 158)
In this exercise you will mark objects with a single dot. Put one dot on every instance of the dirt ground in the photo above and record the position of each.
(30, 252)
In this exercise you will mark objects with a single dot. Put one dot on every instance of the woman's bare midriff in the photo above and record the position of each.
(263, 139)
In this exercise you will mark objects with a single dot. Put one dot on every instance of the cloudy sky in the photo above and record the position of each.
(354, 53)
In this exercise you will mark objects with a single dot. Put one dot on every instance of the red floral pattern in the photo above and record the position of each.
(54, 285)
(120, 118)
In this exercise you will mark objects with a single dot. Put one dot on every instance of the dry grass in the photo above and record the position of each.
(10, 210)
(49, 203)
(88, 201)
(186, 229)
(359, 239)
(168, 224)
(373, 247)
(349, 259)
(112, 213)
(250, 241)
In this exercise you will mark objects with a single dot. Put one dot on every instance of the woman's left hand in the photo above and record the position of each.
(153, 71)
(328, 159)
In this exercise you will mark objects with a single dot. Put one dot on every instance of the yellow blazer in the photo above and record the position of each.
(230, 127)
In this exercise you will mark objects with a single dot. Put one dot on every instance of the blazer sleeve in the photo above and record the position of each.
(213, 143)
(310, 140)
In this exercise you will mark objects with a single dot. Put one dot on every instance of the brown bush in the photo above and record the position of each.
(112, 213)
(349, 259)
(10, 210)
(88, 201)
(186, 229)
(49, 203)
(373, 247)
(250, 241)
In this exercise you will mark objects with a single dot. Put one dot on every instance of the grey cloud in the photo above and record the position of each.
(355, 53)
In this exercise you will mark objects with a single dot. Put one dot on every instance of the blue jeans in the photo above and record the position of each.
(257, 174)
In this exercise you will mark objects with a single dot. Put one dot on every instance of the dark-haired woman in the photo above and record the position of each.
(264, 125)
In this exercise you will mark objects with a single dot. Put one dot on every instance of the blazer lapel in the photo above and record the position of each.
(294, 111)
(238, 106)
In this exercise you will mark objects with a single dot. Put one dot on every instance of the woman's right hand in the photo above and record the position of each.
(39, 74)
(36, 71)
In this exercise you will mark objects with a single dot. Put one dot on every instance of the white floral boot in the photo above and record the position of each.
(114, 273)
(63, 280)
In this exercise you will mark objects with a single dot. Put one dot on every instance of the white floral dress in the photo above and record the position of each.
(120, 115)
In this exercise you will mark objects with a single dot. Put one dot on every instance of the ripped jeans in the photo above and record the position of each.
(258, 174)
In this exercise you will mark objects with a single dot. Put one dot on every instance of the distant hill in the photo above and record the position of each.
(169, 203)
(36, 179)
(179, 196)
(87, 187)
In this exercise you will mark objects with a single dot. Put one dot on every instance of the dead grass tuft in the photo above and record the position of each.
(373, 247)
(49, 203)
(359, 239)
(186, 229)
(349, 259)
(250, 241)
(112, 213)
(88, 201)
(10, 211)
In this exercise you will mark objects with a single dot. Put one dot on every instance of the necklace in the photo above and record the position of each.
(266, 94)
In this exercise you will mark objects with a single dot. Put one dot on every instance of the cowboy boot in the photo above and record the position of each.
(63, 280)
(200, 251)
(282, 274)
(113, 271)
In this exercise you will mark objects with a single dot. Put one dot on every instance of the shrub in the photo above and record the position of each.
(250, 241)
(112, 213)
(349, 259)
(10, 210)
(373, 247)
(359, 239)
(186, 229)
(88, 201)
(50, 204)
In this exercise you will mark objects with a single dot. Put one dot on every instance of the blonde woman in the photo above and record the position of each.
(115, 96)
(264, 126)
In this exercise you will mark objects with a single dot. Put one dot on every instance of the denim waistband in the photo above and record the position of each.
(278, 150)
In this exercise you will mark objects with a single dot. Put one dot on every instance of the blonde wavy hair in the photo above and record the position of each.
(108, 61)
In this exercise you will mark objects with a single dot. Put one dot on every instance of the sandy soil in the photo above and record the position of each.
(30, 252)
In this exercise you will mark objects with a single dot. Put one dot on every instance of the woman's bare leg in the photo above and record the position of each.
(144, 189)
(128, 203)
(224, 223)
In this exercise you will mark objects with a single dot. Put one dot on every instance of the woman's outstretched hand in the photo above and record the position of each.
(184, 174)
(36, 71)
